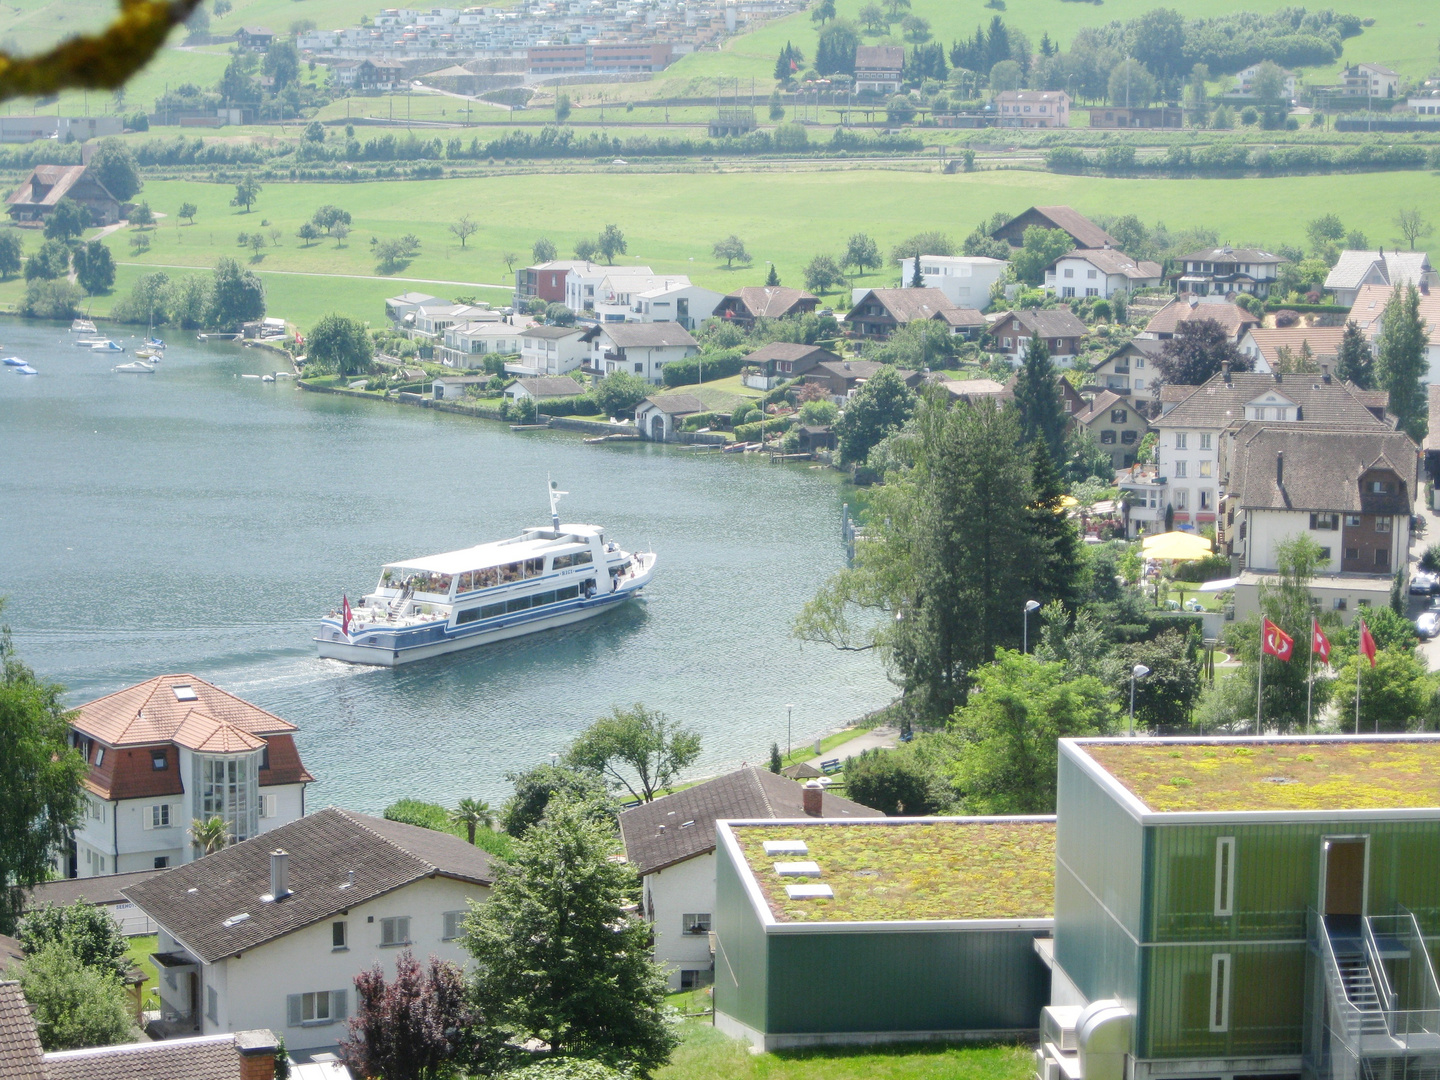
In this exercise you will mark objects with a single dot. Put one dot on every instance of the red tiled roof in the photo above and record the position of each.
(149, 712)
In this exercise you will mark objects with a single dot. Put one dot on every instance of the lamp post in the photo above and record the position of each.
(789, 710)
(1139, 671)
(1030, 605)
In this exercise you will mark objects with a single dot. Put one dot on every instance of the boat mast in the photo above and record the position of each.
(555, 494)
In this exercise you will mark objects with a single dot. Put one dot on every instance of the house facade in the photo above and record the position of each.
(1129, 370)
(1101, 272)
(1059, 331)
(1225, 270)
(1356, 269)
(675, 300)
(544, 281)
(879, 69)
(171, 750)
(878, 312)
(467, 344)
(1245, 82)
(550, 351)
(272, 932)
(545, 387)
(1076, 225)
(36, 197)
(841, 379)
(1221, 904)
(1368, 314)
(658, 419)
(671, 844)
(1117, 425)
(1369, 81)
(770, 365)
(1033, 108)
(641, 349)
(588, 285)
(746, 305)
(1267, 348)
(965, 280)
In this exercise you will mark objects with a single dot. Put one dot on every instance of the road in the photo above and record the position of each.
(1430, 649)
(310, 273)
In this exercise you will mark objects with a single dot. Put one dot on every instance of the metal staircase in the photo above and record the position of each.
(398, 604)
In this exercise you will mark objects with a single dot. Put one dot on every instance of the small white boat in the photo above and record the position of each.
(147, 353)
(106, 346)
(82, 326)
(13, 361)
(135, 367)
(267, 378)
(90, 342)
(26, 369)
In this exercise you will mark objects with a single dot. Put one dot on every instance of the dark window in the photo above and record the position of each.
(265, 756)
(541, 599)
(1127, 437)
(520, 603)
(570, 592)
(337, 935)
(1325, 521)
(1325, 554)
(489, 611)
(1107, 438)
(1352, 553)
(162, 862)
(466, 616)
(1382, 558)
(159, 760)
(1118, 416)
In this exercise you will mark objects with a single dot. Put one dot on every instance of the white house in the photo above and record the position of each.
(671, 843)
(1245, 82)
(1424, 106)
(1370, 80)
(270, 933)
(584, 281)
(1356, 269)
(673, 300)
(1369, 309)
(468, 343)
(398, 307)
(167, 751)
(430, 321)
(549, 350)
(560, 386)
(1101, 272)
(659, 418)
(964, 279)
(641, 349)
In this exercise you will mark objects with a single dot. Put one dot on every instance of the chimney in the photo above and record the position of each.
(812, 794)
(1280, 468)
(279, 874)
(1225, 371)
(257, 1051)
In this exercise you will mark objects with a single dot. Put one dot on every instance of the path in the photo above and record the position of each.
(122, 223)
(310, 273)
(880, 738)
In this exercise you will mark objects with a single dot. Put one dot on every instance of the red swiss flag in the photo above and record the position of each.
(1367, 643)
(1276, 642)
(1319, 643)
(344, 613)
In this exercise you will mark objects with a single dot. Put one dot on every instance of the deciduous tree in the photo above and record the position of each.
(12, 250)
(340, 344)
(1197, 352)
(237, 296)
(611, 242)
(187, 212)
(1414, 226)
(542, 251)
(560, 954)
(246, 192)
(639, 749)
(730, 249)
(328, 216)
(94, 267)
(1396, 695)
(52, 261)
(896, 782)
(536, 787)
(464, 228)
(87, 930)
(142, 216)
(823, 274)
(1040, 248)
(861, 252)
(75, 1005)
(619, 392)
(114, 166)
(879, 407)
(411, 1028)
(68, 220)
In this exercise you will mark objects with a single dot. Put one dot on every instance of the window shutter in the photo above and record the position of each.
(403, 926)
(149, 818)
(292, 1005)
(338, 1009)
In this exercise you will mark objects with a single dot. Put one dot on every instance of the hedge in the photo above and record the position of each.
(751, 432)
(1312, 309)
(718, 365)
(1231, 159)
(579, 405)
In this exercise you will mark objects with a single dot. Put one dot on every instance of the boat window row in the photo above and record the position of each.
(580, 558)
(516, 571)
(518, 603)
(426, 582)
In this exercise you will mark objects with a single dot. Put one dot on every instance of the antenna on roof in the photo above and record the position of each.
(555, 494)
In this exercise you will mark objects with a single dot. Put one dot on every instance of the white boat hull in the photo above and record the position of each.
(334, 645)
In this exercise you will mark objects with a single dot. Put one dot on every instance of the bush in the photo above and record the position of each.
(426, 815)
(896, 782)
(772, 427)
(579, 405)
(51, 299)
(1431, 559)
(75, 1006)
(717, 365)
(1211, 569)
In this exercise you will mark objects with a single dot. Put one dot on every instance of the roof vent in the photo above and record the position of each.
(185, 692)
(236, 920)
(797, 869)
(809, 892)
(686, 824)
(786, 847)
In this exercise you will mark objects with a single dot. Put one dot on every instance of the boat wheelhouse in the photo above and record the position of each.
(543, 578)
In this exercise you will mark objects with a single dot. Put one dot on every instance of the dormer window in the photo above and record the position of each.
(159, 760)
(1380, 487)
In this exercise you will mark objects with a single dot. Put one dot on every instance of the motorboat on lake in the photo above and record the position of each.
(106, 346)
(543, 578)
(26, 369)
(90, 341)
(135, 367)
(13, 361)
(145, 352)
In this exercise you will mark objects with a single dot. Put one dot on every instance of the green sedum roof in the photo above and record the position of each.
(910, 871)
(1341, 774)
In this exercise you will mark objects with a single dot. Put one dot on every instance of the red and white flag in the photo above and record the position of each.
(1276, 642)
(344, 614)
(1319, 643)
(1367, 643)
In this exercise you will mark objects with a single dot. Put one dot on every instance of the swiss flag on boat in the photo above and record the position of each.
(1276, 642)
(1319, 643)
(344, 613)
(1367, 643)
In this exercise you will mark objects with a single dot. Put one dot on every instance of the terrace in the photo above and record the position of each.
(892, 870)
(1377, 773)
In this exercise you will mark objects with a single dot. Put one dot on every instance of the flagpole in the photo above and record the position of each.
(1260, 678)
(1357, 694)
(1310, 677)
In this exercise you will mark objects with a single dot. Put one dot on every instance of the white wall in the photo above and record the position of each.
(253, 988)
(650, 360)
(1265, 530)
(965, 281)
(1195, 455)
(686, 888)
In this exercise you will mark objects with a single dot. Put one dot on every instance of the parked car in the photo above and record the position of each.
(1428, 624)
(1422, 583)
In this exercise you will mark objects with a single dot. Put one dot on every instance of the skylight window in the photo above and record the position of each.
(236, 920)
(185, 692)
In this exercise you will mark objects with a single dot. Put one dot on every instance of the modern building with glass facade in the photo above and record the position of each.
(1240, 908)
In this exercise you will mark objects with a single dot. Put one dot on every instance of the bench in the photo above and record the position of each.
(831, 767)
(907, 736)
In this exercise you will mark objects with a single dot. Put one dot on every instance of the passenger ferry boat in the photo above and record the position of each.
(443, 603)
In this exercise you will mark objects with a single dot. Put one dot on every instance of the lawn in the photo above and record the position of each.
(706, 1054)
(138, 949)
(883, 870)
(1291, 776)
(684, 214)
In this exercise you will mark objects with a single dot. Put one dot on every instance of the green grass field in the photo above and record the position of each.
(706, 1054)
(784, 217)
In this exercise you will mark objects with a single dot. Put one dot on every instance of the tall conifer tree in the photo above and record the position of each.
(1400, 360)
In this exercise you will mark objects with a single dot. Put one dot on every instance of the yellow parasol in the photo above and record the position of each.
(1175, 546)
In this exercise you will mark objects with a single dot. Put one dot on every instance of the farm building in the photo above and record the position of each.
(1246, 908)
(881, 930)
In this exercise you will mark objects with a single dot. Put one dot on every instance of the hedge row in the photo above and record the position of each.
(720, 365)
(579, 405)
(1232, 160)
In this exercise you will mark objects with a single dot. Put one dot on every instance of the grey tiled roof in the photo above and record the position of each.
(905, 305)
(1217, 404)
(1056, 323)
(20, 1055)
(103, 889)
(677, 404)
(681, 826)
(1322, 468)
(324, 847)
(210, 1057)
(643, 335)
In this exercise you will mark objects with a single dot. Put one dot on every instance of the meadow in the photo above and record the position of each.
(671, 222)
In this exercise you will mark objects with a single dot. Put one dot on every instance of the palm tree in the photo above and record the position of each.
(472, 813)
(209, 834)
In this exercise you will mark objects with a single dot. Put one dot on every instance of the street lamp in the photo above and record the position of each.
(1030, 605)
(789, 710)
(1139, 671)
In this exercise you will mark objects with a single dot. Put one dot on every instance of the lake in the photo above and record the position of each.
(196, 521)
